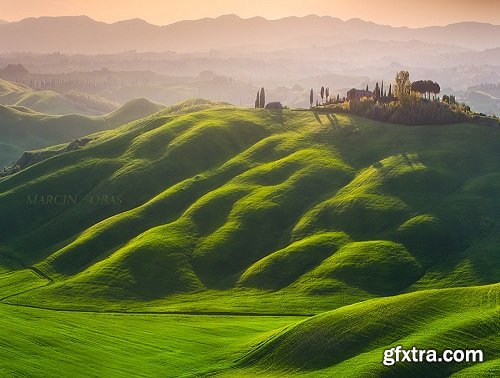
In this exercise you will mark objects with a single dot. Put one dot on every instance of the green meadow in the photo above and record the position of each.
(54, 344)
(212, 240)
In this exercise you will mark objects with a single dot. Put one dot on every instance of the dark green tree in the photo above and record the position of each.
(425, 88)
(257, 100)
(274, 105)
(262, 98)
(322, 93)
(311, 97)
(376, 92)
(327, 93)
(435, 89)
(418, 86)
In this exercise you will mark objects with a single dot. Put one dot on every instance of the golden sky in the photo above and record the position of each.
(411, 13)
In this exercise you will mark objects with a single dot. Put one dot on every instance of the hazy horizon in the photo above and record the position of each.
(248, 18)
(388, 12)
(228, 59)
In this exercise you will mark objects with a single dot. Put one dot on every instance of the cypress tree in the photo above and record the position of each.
(262, 98)
(376, 92)
(257, 100)
(311, 97)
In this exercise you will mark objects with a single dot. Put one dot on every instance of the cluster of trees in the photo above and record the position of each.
(449, 99)
(63, 82)
(404, 87)
(274, 105)
(404, 104)
(379, 94)
(324, 93)
(426, 87)
(59, 84)
(260, 101)
(382, 94)
(411, 110)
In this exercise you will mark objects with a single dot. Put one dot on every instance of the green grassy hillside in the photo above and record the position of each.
(23, 129)
(48, 102)
(227, 198)
(350, 342)
(206, 208)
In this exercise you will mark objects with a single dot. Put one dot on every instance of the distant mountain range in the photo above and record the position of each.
(81, 34)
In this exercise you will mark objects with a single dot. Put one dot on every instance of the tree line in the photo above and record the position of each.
(324, 93)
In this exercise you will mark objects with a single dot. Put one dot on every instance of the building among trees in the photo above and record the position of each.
(358, 94)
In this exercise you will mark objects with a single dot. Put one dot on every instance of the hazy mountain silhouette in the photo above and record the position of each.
(81, 34)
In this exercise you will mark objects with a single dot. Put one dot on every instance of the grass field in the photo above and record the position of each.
(316, 240)
(347, 342)
(54, 344)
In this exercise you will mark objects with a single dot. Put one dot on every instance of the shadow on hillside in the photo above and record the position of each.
(317, 118)
(277, 116)
(408, 161)
(333, 122)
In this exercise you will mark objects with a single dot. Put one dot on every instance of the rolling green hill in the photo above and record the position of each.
(388, 233)
(350, 341)
(48, 102)
(23, 129)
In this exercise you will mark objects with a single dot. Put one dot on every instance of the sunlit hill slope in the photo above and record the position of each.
(226, 198)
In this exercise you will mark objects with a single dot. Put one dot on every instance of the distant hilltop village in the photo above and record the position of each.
(403, 102)
(402, 87)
